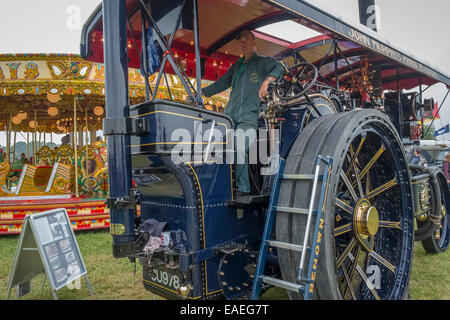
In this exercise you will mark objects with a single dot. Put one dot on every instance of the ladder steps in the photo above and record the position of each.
(285, 245)
(293, 210)
(312, 222)
(283, 284)
(299, 176)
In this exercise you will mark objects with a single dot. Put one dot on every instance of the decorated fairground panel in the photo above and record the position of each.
(50, 103)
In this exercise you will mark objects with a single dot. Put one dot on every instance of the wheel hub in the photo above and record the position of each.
(366, 219)
(365, 223)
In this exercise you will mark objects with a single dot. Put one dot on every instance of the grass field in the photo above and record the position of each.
(114, 279)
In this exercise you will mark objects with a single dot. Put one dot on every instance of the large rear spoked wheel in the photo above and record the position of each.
(367, 245)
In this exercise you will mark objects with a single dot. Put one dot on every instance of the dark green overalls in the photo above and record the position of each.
(245, 79)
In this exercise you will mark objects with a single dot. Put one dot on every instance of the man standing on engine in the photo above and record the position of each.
(249, 79)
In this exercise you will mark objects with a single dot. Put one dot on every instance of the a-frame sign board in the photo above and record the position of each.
(47, 244)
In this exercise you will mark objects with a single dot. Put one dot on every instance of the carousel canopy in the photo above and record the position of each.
(50, 85)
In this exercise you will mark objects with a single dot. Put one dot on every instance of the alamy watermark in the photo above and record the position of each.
(73, 270)
(374, 277)
(374, 17)
(75, 284)
(241, 146)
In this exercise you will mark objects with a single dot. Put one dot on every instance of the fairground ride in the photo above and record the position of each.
(52, 103)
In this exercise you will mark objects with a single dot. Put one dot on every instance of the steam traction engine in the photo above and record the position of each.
(341, 185)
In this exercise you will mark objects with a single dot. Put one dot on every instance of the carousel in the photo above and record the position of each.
(53, 154)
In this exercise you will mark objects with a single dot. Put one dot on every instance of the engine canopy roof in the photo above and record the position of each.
(220, 21)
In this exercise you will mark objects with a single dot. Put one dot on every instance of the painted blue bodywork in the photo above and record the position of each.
(193, 197)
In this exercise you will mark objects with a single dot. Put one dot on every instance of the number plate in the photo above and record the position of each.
(167, 278)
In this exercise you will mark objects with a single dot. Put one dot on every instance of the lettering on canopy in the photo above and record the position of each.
(13, 70)
(389, 52)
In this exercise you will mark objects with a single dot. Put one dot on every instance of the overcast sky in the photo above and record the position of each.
(417, 26)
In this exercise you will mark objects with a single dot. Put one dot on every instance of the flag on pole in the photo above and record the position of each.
(435, 111)
(442, 131)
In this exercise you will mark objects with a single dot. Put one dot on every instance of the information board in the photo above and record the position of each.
(47, 244)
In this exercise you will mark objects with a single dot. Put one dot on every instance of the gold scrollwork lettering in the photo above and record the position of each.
(31, 70)
(13, 67)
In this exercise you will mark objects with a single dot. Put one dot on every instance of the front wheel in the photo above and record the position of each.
(367, 246)
(439, 240)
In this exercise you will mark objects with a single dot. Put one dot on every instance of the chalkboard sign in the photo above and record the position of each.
(47, 244)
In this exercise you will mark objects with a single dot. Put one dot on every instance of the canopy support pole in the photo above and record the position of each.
(35, 138)
(420, 89)
(336, 73)
(4, 155)
(87, 143)
(8, 143)
(92, 134)
(117, 108)
(14, 145)
(75, 145)
(198, 71)
(28, 144)
(144, 66)
(399, 94)
(40, 142)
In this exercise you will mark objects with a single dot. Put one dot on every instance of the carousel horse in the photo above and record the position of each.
(59, 182)
(44, 156)
(101, 158)
(64, 155)
(26, 186)
(88, 166)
